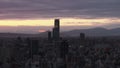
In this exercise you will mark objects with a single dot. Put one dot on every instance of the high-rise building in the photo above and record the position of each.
(56, 29)
(49, 36)
(64, 47)
(34, 47)
(82, 36)
(57, 23)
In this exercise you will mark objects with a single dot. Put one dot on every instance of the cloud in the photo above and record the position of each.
(35, 9)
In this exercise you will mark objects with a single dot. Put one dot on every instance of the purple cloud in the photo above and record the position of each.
(34, 9)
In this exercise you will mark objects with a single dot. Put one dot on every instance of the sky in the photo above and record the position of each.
(32, 16)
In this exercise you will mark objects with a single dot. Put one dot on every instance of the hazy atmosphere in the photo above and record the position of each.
(35, 15)
(59, 33)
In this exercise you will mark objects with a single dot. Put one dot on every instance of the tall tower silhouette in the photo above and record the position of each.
(82, 38)
(49, 36)
(57, 23)
(56, 29)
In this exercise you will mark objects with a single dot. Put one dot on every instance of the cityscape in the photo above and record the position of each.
(59, 33)
(60, 52)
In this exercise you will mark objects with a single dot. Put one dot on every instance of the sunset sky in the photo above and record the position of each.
(38, 15)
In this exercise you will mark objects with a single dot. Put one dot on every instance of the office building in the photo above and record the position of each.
(82, 36)
(49, 36)
(56, 29)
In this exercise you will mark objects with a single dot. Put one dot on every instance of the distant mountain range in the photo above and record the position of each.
(14, 35)
(94, 32)
(97, 32)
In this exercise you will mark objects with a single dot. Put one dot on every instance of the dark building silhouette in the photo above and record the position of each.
(57, 23)
(28, 42)
(49, 36)
(34, 47)
(82, 36)
(64, 49)
(54, 33)
(82, 39)
(19, 42)
(56, 29)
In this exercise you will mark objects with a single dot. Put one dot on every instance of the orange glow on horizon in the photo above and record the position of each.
(41, 30)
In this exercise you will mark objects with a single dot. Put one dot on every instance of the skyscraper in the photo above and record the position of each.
(56, 29)
(57, 23)
(82, 36)
(64, 47)
(49, 36)
(34, 47)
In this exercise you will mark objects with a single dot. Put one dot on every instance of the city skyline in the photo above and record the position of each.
(59, 33)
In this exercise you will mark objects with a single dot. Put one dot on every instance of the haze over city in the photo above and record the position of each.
(38, 15)
(59, 33)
